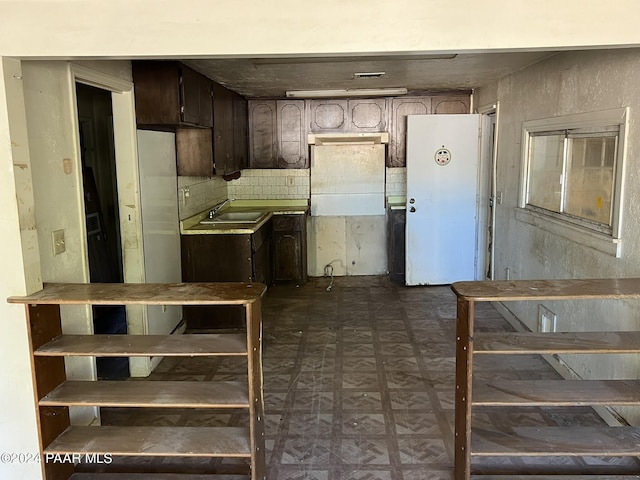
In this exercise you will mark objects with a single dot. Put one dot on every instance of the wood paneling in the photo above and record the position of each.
(557, 392)
(291, 134)
(262, 134)
(155, 441)
(557, 442)
(146, 345)
(194, 152)
(328, 116)
(400, 108)
(368, 115)
(170, 394)
(220, 293)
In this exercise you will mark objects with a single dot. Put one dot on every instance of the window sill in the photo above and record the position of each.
(598, 241)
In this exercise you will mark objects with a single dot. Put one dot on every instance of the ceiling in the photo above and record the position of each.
(271, 77)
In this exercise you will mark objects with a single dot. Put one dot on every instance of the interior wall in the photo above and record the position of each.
(244, 27)
(566, 84)
(49, 96)
(20, 276)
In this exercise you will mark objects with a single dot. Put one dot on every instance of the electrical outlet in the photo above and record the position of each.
(291, 181)
(546, 320)
(58, 242)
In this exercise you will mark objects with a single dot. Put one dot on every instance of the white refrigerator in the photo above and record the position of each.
(160, 223)
(442, 198)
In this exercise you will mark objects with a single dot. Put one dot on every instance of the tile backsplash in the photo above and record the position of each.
(270, 184)
(196, 194)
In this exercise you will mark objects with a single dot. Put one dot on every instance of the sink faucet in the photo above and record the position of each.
(217, 208)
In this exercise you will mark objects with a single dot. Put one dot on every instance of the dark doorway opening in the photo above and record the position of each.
(104, 247)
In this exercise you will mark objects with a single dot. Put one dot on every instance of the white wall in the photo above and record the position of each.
(200, 27)
(566, 84)
(20, 275)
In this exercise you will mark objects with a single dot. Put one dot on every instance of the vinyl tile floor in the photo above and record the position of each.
(359, 385)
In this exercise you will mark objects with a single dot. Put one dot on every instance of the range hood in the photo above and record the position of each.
(348, 173)
(368, 138)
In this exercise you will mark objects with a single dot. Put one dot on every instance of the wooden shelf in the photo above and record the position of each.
(557, 393)
(552, 477)
(146, 345)
(518, 290)
(170, 394)
(57, 395)
(543, 441)
(155, 476)
(221, 293)
(557, 442)
(550, 343)
(154, 441)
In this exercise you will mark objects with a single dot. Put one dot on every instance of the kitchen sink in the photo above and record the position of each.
(235, 217)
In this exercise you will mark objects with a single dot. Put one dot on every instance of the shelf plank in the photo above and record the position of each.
(549, 343)
(514, 290)
(157, 476)
(557, 441)
(554, 477)
(557, 393)
(219, 293)
(154, 441)
(146, 345)
(170, 394)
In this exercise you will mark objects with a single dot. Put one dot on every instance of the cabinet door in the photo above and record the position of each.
(157, 92)
(396, 244)
(288, 252)
(292, 144)
(240, 134)
(223, 129)
(262, 133)
(195, 92)
(400, 108)
(328, 116)
(194, 154)
(290, 248)
(453, 104)
(368, 115)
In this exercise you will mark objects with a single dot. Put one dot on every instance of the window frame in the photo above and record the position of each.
(594, 121)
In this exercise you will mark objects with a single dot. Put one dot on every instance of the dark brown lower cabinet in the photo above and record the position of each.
(290, 248)
(395, 244)
(225, 258)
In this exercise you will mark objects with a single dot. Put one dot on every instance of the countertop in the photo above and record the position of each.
(191, 225)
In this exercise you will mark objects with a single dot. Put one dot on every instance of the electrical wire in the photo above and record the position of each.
(328, 271)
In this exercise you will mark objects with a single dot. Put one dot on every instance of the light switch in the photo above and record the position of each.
(58, 242)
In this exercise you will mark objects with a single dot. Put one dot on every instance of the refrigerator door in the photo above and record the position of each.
(160, 222)
(442, 185)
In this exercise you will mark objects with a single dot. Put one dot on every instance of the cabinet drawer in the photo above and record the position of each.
(288, 223)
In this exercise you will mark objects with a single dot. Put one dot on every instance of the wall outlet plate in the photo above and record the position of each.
(58, 242)
(546, 320)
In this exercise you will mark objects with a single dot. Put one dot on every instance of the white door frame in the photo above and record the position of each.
(487, 191)
(128, 181)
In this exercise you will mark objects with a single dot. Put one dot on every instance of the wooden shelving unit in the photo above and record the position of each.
(54, 394)
(547, 441)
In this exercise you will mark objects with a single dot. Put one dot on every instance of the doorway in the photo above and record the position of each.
(487, 198)
(104, 246)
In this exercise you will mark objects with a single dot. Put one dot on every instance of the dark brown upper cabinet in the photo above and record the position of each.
(277, 134)
(229, 130)
(169, 93)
